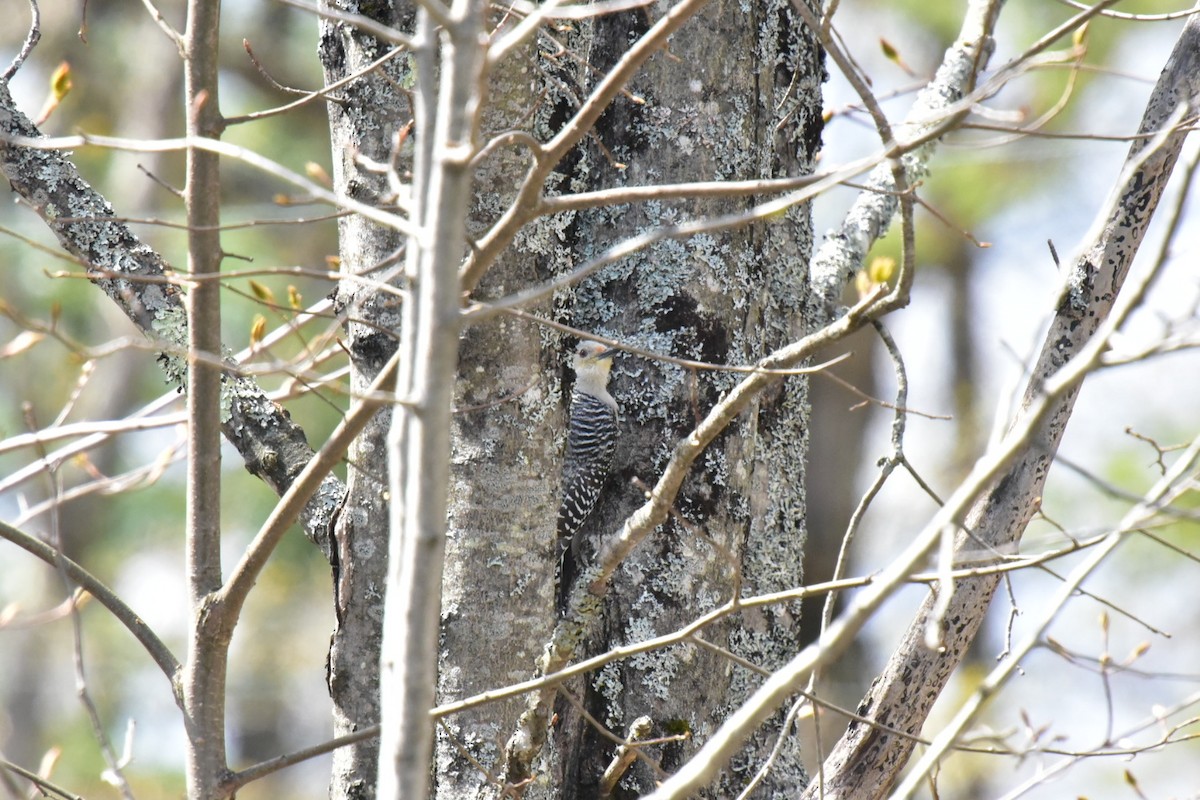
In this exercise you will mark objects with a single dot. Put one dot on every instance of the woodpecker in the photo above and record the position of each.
(591, 441)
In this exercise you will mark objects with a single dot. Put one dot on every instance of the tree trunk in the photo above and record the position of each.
(364, 118)
(736, 97)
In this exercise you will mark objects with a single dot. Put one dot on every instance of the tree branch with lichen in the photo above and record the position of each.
(137, 279)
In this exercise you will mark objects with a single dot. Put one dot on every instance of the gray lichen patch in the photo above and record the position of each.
(171, 327)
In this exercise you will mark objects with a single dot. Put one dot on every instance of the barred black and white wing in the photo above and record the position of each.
(591, 441)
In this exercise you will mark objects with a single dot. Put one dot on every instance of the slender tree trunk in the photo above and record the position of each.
(445, 113)
(205, 670)
(365, 116)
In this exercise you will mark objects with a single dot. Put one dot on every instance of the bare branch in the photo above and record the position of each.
(315, 473)
(688, 191)
(96, 588)
(365, 24)
(419, 441)
(248, 775)
(35, 141)
(175, 36)
(868, 219)
(761, 212)
(46, 787)
(1169, 487)
(1087, 313)
(1138, 17)
(325, 92)
(691, 631)
(205, 670)
(31, 40)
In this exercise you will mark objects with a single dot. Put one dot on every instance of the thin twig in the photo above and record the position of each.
(240, 778)
(365, 24)
(167, 663)
(247, 156)
(324, 92)
(166, 27)
(1169, 487)
(45, 786)
(31, 40)
(689, 632)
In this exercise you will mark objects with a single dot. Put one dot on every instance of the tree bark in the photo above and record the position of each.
(419, 442)
(205, 670)
(736, 97)
(365, 116)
